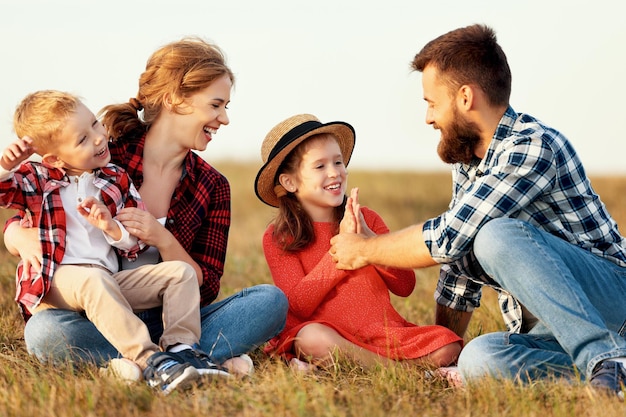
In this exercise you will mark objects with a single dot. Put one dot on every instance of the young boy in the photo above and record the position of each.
(72, 193)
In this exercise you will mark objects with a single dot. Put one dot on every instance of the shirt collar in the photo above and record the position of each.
(60, 175)
(189, 166)
(504, 129)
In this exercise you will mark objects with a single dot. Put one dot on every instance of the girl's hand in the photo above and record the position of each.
(143, 225)
(349, 223)
(353, 220)
(16, 153)
(362, 228)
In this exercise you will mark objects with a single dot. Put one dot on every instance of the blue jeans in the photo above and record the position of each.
(578, 297)
(230, 327)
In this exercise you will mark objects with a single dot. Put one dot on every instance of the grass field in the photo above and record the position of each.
(28, 388)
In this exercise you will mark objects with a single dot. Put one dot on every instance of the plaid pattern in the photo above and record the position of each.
(530, 172)
(199, 214)
(35, 188)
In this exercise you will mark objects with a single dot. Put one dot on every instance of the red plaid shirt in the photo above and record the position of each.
(199, 213)
(36, 187)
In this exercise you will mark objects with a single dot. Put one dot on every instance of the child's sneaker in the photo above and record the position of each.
(167, 373)
(123, 369)
(201, 362)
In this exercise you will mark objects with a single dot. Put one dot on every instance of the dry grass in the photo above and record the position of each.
(30, 388)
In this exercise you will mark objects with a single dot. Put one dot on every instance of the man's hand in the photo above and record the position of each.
(457, 321)
(345, 251)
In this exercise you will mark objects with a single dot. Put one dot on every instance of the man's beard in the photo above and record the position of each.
(458, 141)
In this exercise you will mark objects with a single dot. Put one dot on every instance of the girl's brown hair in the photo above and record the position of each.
(293, 227)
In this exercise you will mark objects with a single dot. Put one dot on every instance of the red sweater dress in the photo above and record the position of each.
(354, 303)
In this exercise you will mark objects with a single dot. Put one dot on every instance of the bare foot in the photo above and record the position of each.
(240, 366)
(451, 374)
(301, 366)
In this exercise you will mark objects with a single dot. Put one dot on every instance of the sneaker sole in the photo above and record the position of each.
(208, 376)
(210, 373)
(185, 381)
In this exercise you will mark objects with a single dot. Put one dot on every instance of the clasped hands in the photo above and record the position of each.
(346, 246)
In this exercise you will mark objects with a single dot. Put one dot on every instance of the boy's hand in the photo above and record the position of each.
(98, 215)
(16, 153)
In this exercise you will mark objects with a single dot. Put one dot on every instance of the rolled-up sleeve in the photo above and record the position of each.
(522, 171)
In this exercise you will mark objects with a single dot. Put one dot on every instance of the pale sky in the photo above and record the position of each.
(338, 59)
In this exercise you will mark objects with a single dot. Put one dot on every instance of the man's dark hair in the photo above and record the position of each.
(466, 56)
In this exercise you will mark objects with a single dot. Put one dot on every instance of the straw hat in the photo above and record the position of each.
(284, 137)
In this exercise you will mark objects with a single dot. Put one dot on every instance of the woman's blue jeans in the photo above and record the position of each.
(230, 327)
(578, 297)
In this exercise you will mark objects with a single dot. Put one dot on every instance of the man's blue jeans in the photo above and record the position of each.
(578, 297)
(230, 327)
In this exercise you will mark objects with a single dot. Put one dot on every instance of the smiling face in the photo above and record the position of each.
(459, 136)
(203, 113)
(320, 180)
(82, 144)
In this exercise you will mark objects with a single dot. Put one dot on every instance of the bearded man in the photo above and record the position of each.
(523, 219)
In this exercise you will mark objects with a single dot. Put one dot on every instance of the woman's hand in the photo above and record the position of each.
(24, 242)
(143, 225)
(147, 228)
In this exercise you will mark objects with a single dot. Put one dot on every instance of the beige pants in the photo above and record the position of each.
(109, 301)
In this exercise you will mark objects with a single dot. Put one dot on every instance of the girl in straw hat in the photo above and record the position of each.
(304, 175)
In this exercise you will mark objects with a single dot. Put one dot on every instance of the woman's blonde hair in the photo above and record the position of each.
(175, 71)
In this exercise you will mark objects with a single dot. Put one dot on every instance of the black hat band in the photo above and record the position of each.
(292, 135)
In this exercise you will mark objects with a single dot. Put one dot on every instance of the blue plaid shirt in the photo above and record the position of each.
(530, 172)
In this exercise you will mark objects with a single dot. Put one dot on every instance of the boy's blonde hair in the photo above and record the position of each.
(42, 115)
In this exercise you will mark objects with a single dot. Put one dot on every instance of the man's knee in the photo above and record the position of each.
(481, 356)
(494, 239)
